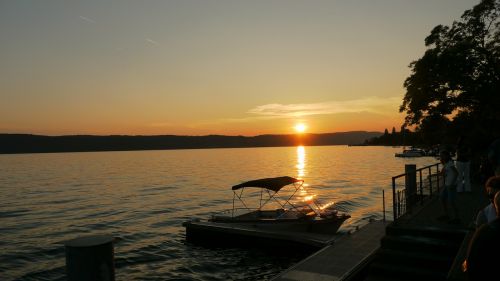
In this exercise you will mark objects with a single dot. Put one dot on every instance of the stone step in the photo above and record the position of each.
(420, 244)
(435, 260)
(381, 278)
(386, 271)
(451, 233)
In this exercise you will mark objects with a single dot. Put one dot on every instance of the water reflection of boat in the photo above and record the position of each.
(285, 212)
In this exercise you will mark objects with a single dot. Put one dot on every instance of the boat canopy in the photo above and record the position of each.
(274, 184)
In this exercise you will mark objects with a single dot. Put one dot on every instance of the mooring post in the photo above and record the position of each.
(383, 203)
(410, 185)
(394, 200)
(90, 258)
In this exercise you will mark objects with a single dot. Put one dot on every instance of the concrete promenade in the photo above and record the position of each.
(468, 204)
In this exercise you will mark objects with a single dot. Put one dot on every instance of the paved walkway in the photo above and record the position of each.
(468, 204)
(340, 259)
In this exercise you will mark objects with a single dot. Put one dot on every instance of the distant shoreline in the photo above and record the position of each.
(27, 143)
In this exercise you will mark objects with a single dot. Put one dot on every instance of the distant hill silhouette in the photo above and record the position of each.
(27, 143)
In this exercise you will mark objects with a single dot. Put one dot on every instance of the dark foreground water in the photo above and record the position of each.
(142, 198)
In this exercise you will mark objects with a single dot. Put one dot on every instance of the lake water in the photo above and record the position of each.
(142, 198)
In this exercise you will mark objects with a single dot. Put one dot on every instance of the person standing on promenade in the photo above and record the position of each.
(481, 263)
(463, 165)
(494, 156)
(488, 213)
(448, 194)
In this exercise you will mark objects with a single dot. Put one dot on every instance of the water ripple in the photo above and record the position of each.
(14, 213)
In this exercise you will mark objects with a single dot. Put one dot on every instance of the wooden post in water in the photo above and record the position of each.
(410, 185)
(90, 258)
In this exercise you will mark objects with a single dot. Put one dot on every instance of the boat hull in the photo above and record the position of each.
(308, 235)
(325, 226)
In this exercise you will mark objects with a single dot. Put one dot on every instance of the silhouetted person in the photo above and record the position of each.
(463, 165)
(448, 194)
(488, 213)
(484, 247)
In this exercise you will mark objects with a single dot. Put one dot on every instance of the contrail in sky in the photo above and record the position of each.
(152, 41)
(87, 19)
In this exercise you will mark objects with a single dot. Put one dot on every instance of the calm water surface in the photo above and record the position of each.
(142, 198)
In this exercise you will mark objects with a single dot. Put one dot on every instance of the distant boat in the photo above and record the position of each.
(412, 152)
(298, 217)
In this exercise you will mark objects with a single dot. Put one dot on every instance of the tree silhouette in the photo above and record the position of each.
(458, 77)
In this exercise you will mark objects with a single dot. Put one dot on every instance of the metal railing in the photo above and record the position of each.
(414, 191)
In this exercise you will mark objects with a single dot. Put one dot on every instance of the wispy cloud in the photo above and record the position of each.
(369, 104)
(89, 20)
(149, 40)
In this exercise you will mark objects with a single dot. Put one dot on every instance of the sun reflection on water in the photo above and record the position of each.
(301, 161)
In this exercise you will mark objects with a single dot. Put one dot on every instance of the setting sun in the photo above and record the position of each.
(300, 128)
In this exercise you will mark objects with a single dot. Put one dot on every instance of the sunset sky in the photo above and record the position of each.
(210, 67)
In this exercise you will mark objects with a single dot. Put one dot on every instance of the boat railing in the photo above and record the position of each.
(418, 185)
(251, 213)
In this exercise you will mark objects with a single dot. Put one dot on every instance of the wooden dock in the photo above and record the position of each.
(341, 259)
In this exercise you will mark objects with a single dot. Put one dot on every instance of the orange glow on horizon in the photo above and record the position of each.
(136, 124)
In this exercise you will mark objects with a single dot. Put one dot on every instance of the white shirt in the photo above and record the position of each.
(450, 174)
(486, 215)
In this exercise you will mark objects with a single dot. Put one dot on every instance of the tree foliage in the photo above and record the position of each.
(458, 77)
(404, 137)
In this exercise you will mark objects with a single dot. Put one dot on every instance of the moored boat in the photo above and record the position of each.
(282, 210)
(413, 152)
